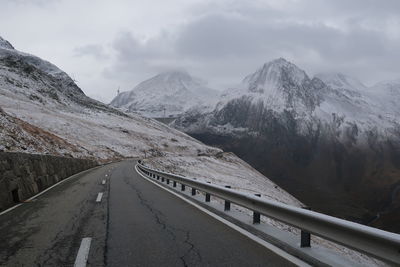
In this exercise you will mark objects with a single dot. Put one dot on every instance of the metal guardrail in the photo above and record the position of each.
(377, 243)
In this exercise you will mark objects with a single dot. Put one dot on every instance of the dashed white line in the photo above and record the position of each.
(99, 196)
(103, 182)
(83, 252)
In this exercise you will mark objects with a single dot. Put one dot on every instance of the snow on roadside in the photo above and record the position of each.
(227, 169)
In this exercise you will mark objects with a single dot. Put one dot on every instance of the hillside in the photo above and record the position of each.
(37, 92)
(17, 135)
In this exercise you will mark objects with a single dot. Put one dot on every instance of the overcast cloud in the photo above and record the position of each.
(109, 44)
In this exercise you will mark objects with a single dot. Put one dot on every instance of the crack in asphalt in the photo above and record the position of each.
(192, 248)
(75, 228)
(158, 215)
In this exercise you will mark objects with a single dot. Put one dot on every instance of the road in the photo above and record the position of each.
(135, 224)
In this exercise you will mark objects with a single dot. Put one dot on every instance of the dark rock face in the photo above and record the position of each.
(333, 166)
(24, 175)
(312, 160)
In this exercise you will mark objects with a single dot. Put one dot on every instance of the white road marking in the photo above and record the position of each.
(99, 196)
(83, 252)
(44, 191)
(249, 235)
(103, 182)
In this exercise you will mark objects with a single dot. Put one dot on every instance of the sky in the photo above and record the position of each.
(105, 45)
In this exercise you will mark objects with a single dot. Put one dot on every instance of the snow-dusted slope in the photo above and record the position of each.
(167, 94)
(17, 135)
(387, 95)
(39, 93)
(278, 85)
(351, 100)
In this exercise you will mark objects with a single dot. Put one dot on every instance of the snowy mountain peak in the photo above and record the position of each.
(279, 85)
(274, 74)
(5, 44)
(166, 94)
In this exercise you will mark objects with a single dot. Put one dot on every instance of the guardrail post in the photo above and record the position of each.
(305, 241)
(227, 203)
(208, 196)
(174, 184)
(167, 181)
(193, 191)
(256, 215)
(182, 187)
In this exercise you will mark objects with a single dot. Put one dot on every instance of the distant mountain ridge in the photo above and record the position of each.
(329, 132)
(167, 94)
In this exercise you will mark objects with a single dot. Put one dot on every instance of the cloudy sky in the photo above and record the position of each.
(107, 44)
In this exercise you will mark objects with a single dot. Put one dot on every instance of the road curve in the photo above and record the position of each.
(135, 224)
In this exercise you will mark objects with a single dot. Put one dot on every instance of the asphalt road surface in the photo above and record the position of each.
(135, 224)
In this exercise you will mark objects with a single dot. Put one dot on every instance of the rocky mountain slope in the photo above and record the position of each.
(37, 92)
(167, 95)
(329, 140)
(17, 135)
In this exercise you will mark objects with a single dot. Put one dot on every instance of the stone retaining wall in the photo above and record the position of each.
(23, 175)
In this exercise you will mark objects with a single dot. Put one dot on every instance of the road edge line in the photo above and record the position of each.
(47, 189)
(242, 231)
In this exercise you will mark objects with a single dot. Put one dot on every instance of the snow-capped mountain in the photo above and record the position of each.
(167, 95)
(330, 133)
(279, 85)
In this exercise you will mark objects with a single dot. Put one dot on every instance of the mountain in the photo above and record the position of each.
(279, 85)
(43, 111)
(328, 140)
(36, 94)
(167, 95)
